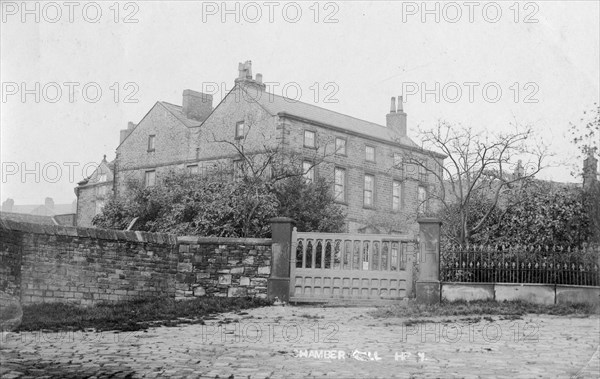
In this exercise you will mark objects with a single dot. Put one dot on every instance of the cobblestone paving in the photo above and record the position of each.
(284, 342)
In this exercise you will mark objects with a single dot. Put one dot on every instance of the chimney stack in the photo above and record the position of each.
(245, 76)
(49, 203)
(590, 171)
(197, 105)
(396, 119)
(124, 133)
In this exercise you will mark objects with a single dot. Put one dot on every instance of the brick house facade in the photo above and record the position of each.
(363, 160)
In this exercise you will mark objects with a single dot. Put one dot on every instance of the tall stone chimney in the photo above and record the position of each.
(396, 119)
(245, 76)
(197, 105)
(124, 133)
(49, 203)
(590, 171)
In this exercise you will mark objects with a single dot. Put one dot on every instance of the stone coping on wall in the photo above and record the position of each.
(194, 240)
(122, 235)
(103, 234)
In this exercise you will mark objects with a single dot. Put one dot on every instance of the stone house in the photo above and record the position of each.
(93, 192)
(363, 160)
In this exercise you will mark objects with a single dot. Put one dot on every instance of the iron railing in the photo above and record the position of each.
(521, 264)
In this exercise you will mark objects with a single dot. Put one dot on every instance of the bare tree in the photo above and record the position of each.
(489, 166)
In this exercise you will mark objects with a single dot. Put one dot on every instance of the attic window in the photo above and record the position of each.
(151, 141)
(240, 130)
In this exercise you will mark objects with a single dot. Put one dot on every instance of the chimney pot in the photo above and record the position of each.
(245, 76)
(393, 105)
(400, 104)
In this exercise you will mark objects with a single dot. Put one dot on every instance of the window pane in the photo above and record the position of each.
(396, 195)
(340, 184)
(397, 160)
(340, 146)
(309, 138)
(370, 153)
(239, 129)
(308, 170)
(150, 178)
(151, 139)
(422, 199)
(193, 169)
(368, 190)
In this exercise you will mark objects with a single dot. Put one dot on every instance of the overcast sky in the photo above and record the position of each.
(350, 57)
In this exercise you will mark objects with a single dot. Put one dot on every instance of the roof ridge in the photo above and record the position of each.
(181, 118)
(328, 110)
(166, 102)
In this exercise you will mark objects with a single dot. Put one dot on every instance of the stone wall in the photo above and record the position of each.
(51, 263)
(10, 263)
(223, 267)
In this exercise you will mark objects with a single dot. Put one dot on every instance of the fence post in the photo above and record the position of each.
(428, 281)
(279, 281)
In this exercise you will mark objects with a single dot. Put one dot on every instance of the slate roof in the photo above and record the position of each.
(42, 210)
(23, 217)
(177, 111)
(275, 104)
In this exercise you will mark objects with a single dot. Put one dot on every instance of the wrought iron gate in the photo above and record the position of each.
(335, 266)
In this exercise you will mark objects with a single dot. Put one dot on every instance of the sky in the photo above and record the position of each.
(73, 74)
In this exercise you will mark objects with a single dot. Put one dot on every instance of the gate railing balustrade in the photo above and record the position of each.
(343, 251)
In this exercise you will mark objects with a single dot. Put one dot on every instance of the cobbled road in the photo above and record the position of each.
(307, 342)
